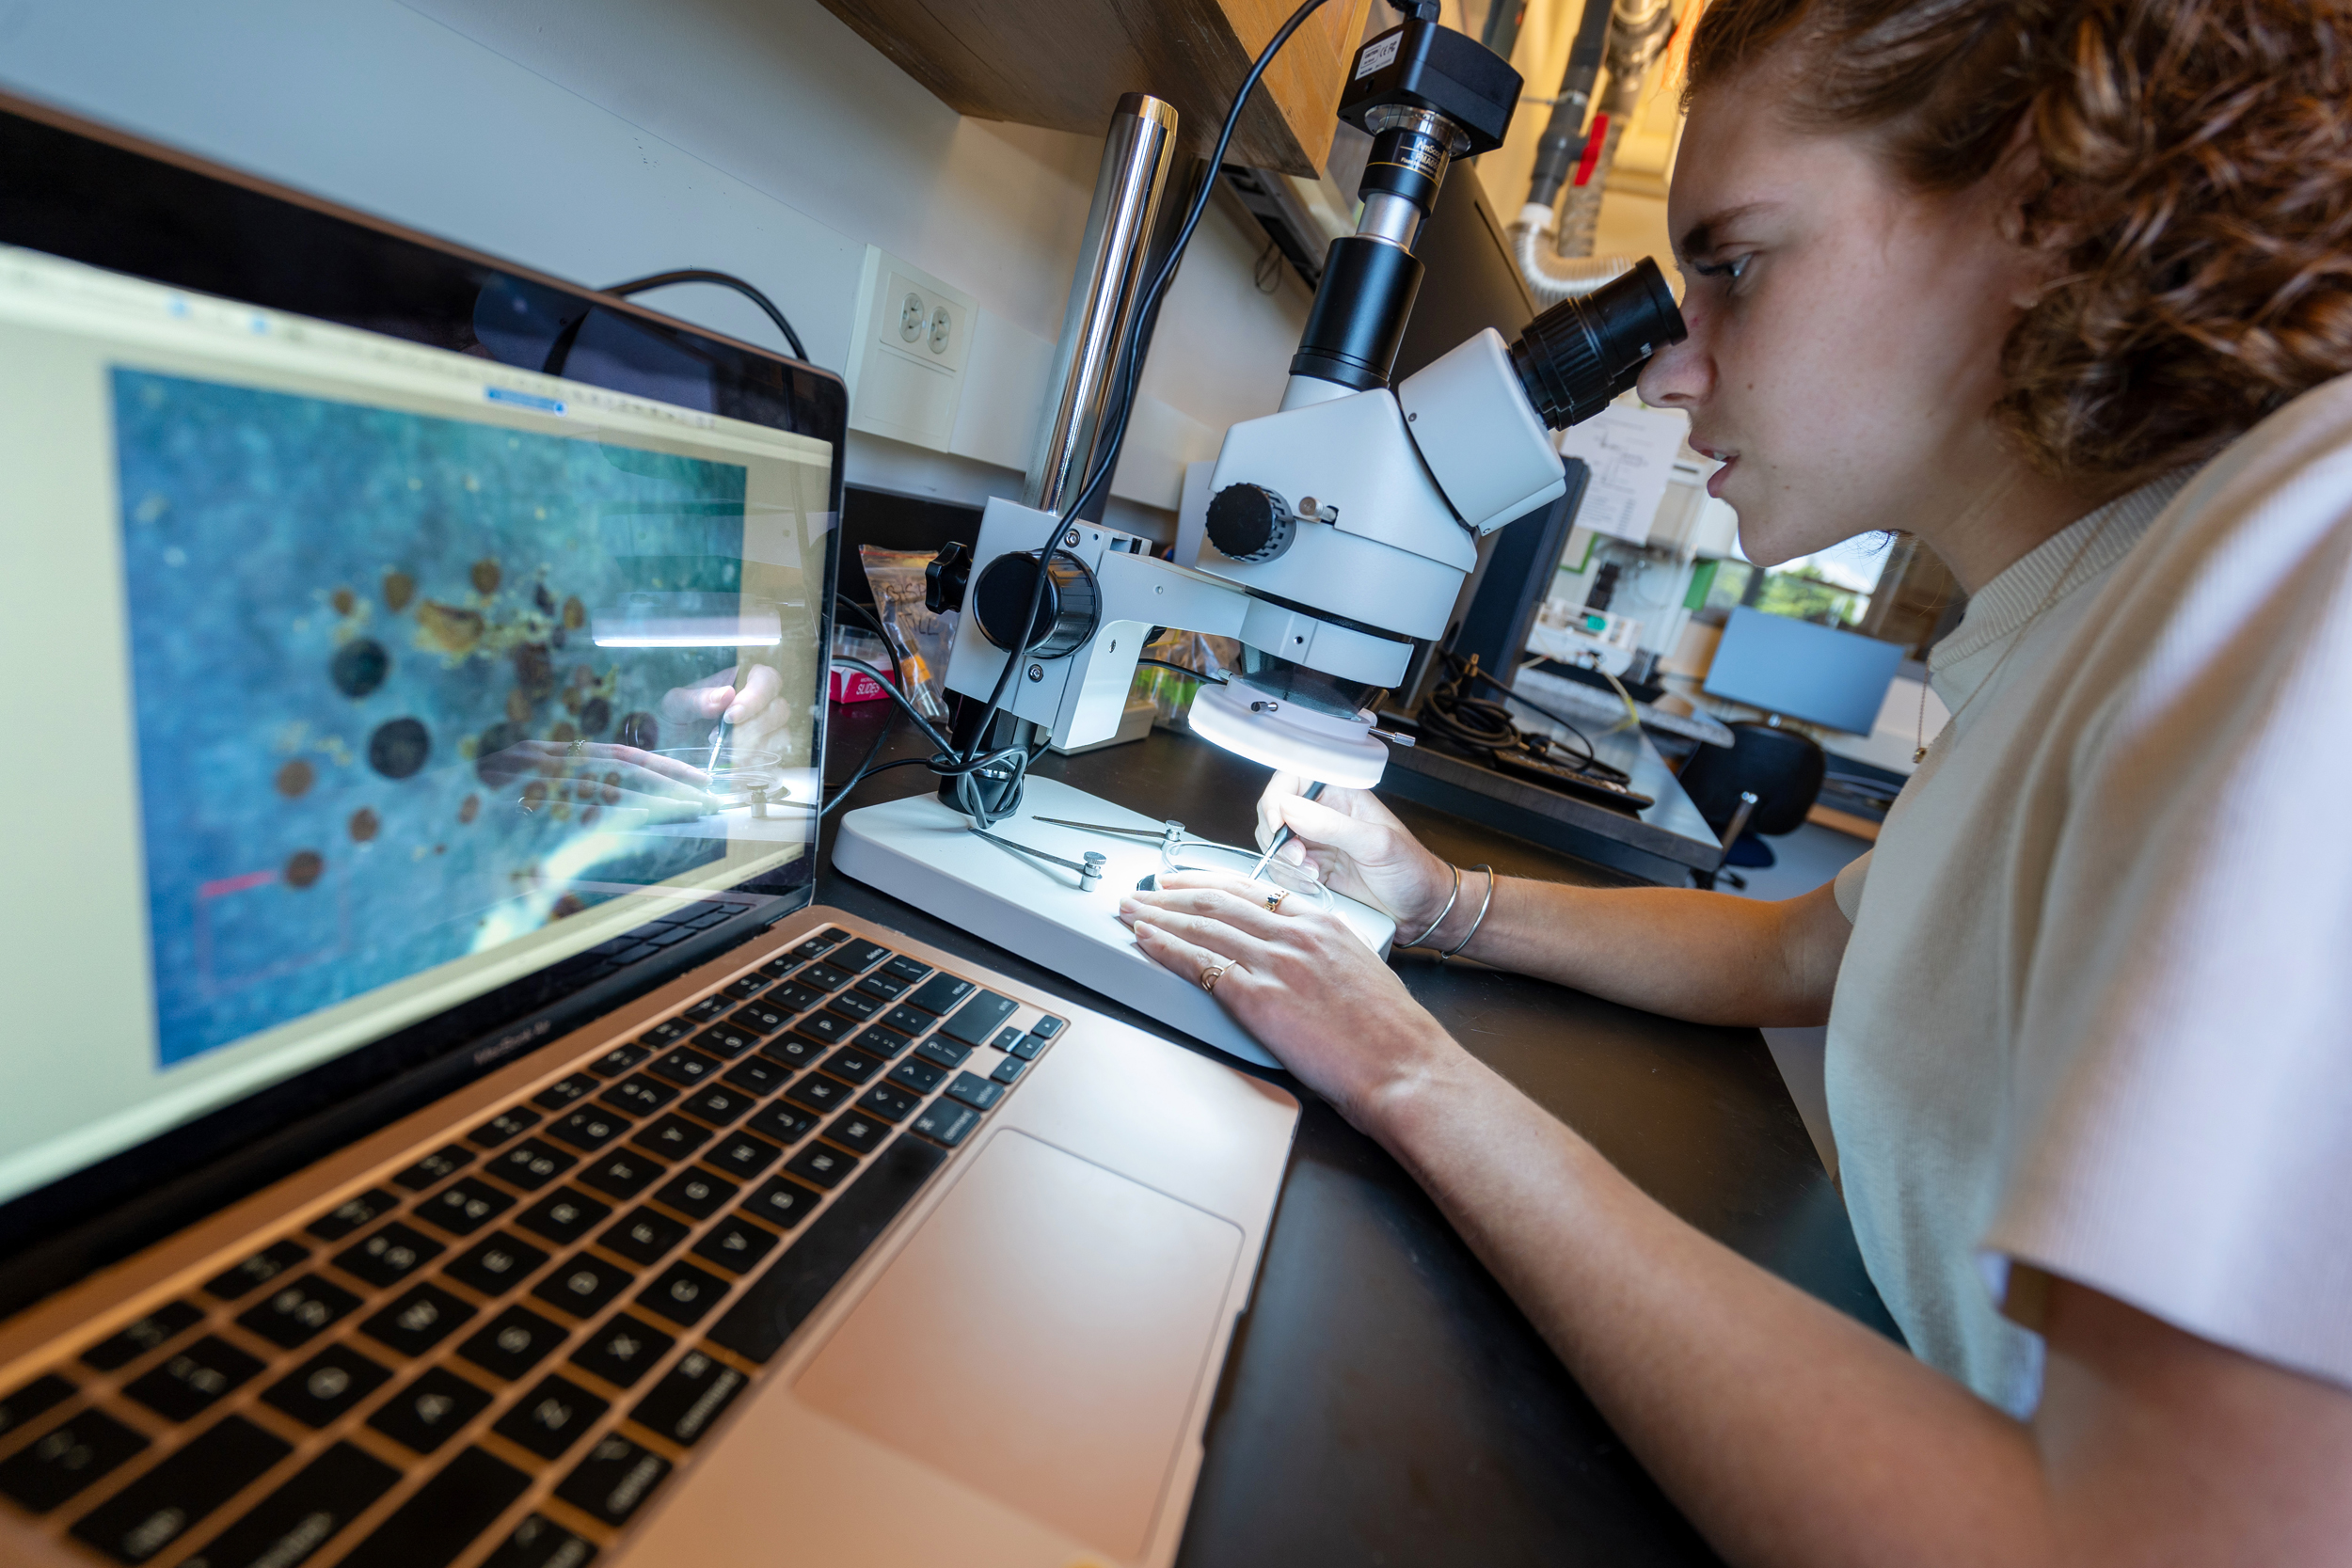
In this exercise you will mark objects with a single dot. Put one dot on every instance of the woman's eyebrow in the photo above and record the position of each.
(1700, 237)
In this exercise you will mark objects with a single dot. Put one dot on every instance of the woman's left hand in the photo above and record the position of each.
(1301, 981)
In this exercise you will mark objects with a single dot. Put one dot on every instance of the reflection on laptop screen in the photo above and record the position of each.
(353, 679)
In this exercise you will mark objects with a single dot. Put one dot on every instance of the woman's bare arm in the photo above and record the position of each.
(1705, 957)
(1789, 1434)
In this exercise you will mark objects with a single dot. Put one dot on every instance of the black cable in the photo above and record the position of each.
(724, 280)
(1109, 448)
(1505, 688)
(1185, 670)
(905, 702)
(1452, 714)
(835, 795)
(1265, 275)
(890, 643)
(1479, 724)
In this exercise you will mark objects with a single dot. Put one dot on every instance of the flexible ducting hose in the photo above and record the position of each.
(1553, 277)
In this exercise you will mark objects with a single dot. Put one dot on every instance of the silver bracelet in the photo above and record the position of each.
(1482, 913)
(1443, 912)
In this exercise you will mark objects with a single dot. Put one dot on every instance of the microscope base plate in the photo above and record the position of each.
(918, 849)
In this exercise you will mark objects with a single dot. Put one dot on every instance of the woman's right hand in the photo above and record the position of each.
(1357, 847)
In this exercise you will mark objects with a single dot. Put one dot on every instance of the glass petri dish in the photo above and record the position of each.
(1200, 854)
(733, 777)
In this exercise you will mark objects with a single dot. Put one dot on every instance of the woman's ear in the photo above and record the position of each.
(2018, 185)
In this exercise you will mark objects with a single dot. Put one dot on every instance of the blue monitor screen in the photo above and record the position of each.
(1799, 671)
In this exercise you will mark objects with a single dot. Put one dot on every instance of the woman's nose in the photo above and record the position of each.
(1679, 375)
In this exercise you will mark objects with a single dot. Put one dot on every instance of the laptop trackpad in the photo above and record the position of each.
(1041, 1339)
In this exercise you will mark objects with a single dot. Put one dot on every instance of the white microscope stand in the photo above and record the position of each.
(919, 851)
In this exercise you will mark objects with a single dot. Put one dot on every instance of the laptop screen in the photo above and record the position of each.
(356, 678)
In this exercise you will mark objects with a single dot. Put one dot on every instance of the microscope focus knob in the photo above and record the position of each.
(1249, 522)
(1067, 612)
(946, 577)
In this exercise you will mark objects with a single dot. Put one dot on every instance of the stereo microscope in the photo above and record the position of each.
(1341, 527)
(1340, 530)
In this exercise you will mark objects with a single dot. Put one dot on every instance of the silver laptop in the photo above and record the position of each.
(437, 1127)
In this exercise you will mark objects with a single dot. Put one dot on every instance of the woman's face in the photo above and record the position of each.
(1844, 330)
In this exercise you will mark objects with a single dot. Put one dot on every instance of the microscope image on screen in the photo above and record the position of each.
(408, 687)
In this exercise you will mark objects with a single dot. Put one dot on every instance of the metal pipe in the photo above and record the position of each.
(1638, 31)
(1101, 317)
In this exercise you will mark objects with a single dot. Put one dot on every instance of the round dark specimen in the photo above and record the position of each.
(470, 808)
(304, 866)
(489, 764)
(295, 778)
(639, 730)
(399, 748)
(1249, 522)
(399, 588)
(359, 667)
(365, 824)
(486, 576)
(594, 714)
(534, 671)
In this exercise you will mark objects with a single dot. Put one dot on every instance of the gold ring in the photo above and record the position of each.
(1274, 900)
(1211, 975)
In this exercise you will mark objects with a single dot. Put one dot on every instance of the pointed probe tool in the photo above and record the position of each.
(1283, 835)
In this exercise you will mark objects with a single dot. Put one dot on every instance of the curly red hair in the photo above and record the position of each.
(2195, 188)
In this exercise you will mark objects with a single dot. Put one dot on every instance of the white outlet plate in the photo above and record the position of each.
(907, 358)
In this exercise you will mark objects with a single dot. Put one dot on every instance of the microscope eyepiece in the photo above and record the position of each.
(1582, 352)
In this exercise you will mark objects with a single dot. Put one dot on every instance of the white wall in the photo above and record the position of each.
(600, 140)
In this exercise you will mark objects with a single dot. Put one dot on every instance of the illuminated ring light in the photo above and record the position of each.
(1289, 737)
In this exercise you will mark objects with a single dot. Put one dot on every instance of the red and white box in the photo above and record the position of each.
(855, 686)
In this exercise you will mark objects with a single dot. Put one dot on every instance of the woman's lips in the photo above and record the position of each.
(1715, 480)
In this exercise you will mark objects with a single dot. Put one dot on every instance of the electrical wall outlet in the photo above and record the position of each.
(913, 337)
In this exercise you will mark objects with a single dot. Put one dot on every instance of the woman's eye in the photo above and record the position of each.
(1732, 270)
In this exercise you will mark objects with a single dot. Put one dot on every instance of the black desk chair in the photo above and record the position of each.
(1762, 784)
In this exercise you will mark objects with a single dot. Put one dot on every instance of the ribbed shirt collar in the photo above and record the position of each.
(2005, 605)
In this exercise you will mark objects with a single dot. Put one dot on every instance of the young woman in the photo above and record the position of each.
(2063, 287)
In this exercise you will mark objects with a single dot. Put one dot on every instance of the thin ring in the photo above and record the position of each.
(1274, 900)
(1215, 971)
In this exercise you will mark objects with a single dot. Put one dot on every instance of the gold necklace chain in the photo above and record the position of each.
(1919, 754)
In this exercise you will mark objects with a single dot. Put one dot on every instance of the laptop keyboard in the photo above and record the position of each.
(541, 1316)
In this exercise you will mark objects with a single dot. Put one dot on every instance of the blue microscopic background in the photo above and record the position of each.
(261, 535)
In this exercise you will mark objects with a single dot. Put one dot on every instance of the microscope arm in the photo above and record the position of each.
(1080, 694)
(1139, 593)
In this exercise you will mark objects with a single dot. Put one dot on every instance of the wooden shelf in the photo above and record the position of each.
(1062, 64)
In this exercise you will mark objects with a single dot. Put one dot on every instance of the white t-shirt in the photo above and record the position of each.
(2095, 1018)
